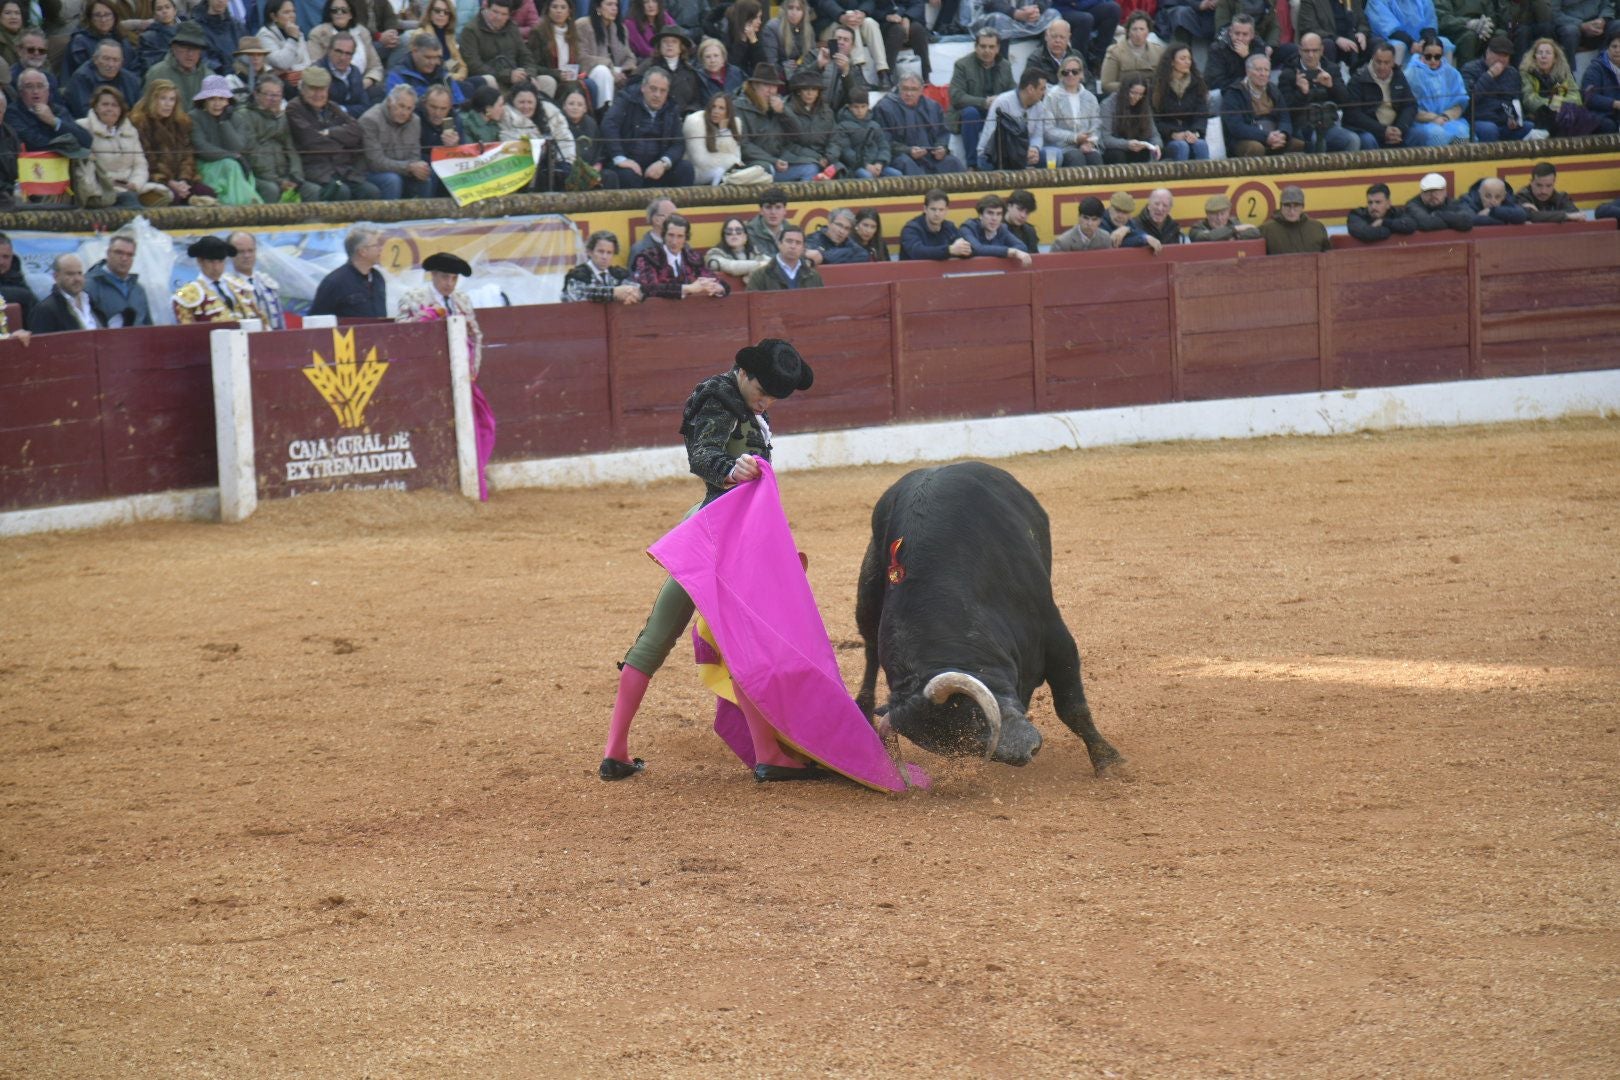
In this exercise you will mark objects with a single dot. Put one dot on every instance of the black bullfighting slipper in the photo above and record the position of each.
(764, 773)
(613, 769)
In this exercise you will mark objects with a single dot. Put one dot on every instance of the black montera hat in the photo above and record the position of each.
(211, 247)
(446, 263)
(777, 365)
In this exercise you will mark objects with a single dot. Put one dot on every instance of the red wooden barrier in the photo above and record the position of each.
(919, 269)
(1517, 232)
(548, 367)
(657, 351)
(966, 347)
(1246, 327)
(1397, 320)
(50, 422)
(1548, 305)
(1107, 337)
(852, 330)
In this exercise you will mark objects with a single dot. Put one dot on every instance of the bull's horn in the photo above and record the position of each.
(942, 686)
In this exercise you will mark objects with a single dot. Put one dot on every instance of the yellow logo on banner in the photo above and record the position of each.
(347, 385)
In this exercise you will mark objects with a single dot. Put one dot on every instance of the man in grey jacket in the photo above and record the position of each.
(391, 135)
(277, 168)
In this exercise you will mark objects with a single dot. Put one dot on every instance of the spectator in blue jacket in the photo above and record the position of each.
(35, 119)
(1493, 204)
(1403, 20)
(916, 128)
(158, 35)
(223, 31)
(1441, 96)
(643, 136)
(988, 234)
(349, 91)
(1493, 85)
(1124, 227)
(99, 23)
(835, 242)
(1256, 120)
(931, 235)
(115, 288)
(104, 68)
(423, 66)
(1600, 86)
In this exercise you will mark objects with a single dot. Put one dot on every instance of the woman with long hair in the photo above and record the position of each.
(555, 45)
(13, 21)
(715, 74)
(745, 24)
(1180, 103)
(646, 18)
(790, 38)
(220, 144)
(735, 254)
(527, 115)
(588, 148)
(605, 50)
(115, 146)
(1128, 131)
(711, 140)
(282, 36)
(1549, 88)
(440, 17)
(868, 233)
(338, 18)
(165, 132)
(98, 23)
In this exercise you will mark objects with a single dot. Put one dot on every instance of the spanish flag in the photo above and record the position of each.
(40, 172)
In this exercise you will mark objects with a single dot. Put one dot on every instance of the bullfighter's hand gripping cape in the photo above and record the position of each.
(737, 560)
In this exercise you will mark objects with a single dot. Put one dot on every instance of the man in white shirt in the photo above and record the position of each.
(68, 307)
(1025, 105)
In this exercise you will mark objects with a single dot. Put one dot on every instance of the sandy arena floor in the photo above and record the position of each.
(317, 795)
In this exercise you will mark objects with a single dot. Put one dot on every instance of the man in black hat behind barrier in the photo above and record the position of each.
(214, 296)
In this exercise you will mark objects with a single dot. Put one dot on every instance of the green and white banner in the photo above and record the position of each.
(481, 171)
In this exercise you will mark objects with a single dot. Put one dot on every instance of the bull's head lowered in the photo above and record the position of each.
(956, 714)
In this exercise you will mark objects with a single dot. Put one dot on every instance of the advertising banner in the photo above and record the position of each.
(482, 171)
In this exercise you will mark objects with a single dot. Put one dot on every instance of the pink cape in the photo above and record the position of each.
(737, 560)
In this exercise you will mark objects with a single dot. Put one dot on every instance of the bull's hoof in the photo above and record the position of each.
(613, 769)
(1110, 764)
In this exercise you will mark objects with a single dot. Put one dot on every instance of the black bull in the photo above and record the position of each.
(955, 601)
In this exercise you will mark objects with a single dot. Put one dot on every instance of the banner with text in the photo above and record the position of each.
(482, 171)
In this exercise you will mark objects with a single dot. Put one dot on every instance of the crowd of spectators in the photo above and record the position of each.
(197, 102)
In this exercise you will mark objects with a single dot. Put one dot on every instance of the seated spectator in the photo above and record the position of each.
(916, 128)
(788, 268)
(329, 141)
(1155, 217)
(1380, 219)
(38, 119)
(1492, 204)
(1581, 24)
(383, 21)
(1087, 234)
(989, 236)
(1342, 26)
(834, 243)
(976, 80)
(284, 41)
(1266, 27)
(658, 211)
(760, 132)
(355, 290)
(672, 57)
(1135, 53)
(1542, 198)
(690, 14)
(1092, 25)
(1124, 227)
(643, 134)
(587, 135)
(1402, 21)
(1552, 101)
(1056, 46)
(1129, 133)
(735, 254)
(491, 47)
(391, 134)
(865, 45)
(481, 115)
(349, 89)
(765, 228)
(277, 169)
(1469, 24)
(183, 68)
(165, 131)
(251, 66)
(115, 288)
(1433, 210)
(1015, 126)
(811, 145)
(104, 68)
(743, 24)
(1180, 103)
(424, 66)
(13, 18)
(222, 30)
(1600, 86)
(642, 24)
(1185, 21)
(597, 280)
(840, 75)
(671, 270)
(1441, 97)
(219, 146)
(715, 75)
(68, 307)
(1493, 85)
(1609, 211)
(266, 290)
(115, 147)
(864, 144)
(904, 25)
(1229, 53)
(1291, 231)
(1381, 107)
(711, 142)
(790, 38)
(1314, 95)
(604, 49)
(156, 38)
(338, 18)
(1217, 224)
(98, 23)
(32, 49)
(527, 115)
(931, 235)
(1021, 204)
(869, 234)
(440, 20)
(1253, 115)
(1074, 119)
(213, 296)
(13, 284)
(558, 49)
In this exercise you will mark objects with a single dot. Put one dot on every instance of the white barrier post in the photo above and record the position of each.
(233, 425)
(461, 402)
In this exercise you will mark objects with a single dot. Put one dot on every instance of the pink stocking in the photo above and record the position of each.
(632, 687)
(767, 751)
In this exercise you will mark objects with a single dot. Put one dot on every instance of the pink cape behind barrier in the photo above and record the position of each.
(737, 560)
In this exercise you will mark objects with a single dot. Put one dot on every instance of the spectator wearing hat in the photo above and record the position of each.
(222, 30)
(350, 91)
(153, 45)
(643, 136)
(1380, 219)
(760, 132)
(355, 290)
(184, 65)
(1542, 199)
(115, 288)
(1217, 224)
(812, 147)
(916, 128)
(672, 51)
(68, 307)
(1291, 231)
(1492, 203)
(988, 234)
(597, 280)
(219, 145)
(252, 64)
(789, 268)
(1493, 85)
(1380, 107)
(391, 133)
(423, 67)
(1087, 234)
(492, 47)
(931, 234)
(214, 295)
(1124, 227)
(278, 171)
(976, 79)
(671, 269)
(266, 290)
(1433, 211)
(866, 149)
(329, 141)
(765, 228)
(104, 68)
